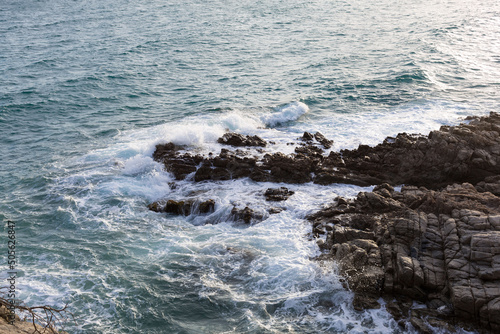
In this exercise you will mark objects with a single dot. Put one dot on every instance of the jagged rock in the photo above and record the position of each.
(246, 215)
(278, 194)
(275, 210)
(179, 207)
(236, 139)
(440, 247)
(468, 152)
(207, 206)
(323, 140)
(307, 136)
(490, 184)
(435, 241)
(179, 165)
(320, 138)
(184, 208)
(157, 207)
(310, 151)
(288, 169)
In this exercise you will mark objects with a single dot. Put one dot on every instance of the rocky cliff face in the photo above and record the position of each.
(436, 241)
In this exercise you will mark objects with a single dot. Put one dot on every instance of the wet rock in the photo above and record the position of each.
(319, 137)
(278, 194)
(274, 210)
(465, 153)
(184, 208)
(236, 139)
(437, 247)
(157, 207)
(288, 169)
(310, 151)
(323, 140)
(179, 165)
(307, 136)
(207, 206)
(468, 152)
(178, 207)
(246, 215)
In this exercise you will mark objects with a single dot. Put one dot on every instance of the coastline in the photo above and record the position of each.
(433, 242)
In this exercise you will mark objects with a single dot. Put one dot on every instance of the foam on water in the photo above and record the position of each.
(261, 274)
(284, 114)
(263, 270)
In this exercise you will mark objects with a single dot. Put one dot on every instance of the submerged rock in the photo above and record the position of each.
(278, 194)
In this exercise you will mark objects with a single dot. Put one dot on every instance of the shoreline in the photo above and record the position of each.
(435, 241)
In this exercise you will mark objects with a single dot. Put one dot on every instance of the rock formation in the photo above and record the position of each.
(437, 241)
(441, 248)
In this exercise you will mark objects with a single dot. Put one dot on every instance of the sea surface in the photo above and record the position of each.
(88, 88)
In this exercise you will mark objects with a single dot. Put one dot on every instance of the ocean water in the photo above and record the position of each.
(88, 88)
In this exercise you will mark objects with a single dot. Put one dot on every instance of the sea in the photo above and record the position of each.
(88, 88)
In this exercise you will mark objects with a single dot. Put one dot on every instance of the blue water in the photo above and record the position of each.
(88, 88)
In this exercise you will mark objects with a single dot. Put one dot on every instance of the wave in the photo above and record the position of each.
(284, 114)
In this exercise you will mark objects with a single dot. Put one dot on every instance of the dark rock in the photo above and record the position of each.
(179, 165)
(468, 152)
(246, 215)
(275, 210)
(465, 153)
(307, 136)
(438, 247)
(178, 207)
(310, 151)
(278, 194)
(157, 207)
(184, 208)
(323, 140)
(320, 138)
(207, 206)
(288, 169)
(236, 139)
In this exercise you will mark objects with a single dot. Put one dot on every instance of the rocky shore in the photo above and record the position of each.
(435, 241)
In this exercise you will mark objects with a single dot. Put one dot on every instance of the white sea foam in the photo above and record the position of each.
(264, 268)
(284, 114)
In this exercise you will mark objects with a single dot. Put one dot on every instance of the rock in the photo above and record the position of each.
(246, 215)
(322, 139)
(288, 169)
(439, 247)
(178, 207)
(275, 210)
(278, 194)
(207, 206)
(319, 137)
(157, 207)
(310, 151)
(184, 208)
(307, 136)
(436, 241)
(236, 139)
(451, 155)
(465, 153)
(179, 165)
